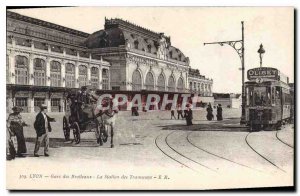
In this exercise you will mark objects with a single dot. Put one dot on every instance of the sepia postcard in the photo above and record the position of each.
(149, 98)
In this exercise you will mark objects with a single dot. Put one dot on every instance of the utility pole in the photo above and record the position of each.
(238, 46)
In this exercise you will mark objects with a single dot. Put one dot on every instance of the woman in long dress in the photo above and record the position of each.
(15, 123)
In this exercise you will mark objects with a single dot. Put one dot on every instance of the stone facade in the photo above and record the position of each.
(140, 59)
(45, 60)
(39, 55)
(199, 84)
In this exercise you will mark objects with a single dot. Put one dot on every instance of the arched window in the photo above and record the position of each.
(191, 86)
(21, 70)
(105, 79)
(82, 76)
(39, 66)
(95, 77)
(202, 87)
(70, 75)
(198, 89)
(149, 81)
(180, 85)
(55, 75)
(171, 84)
(161, 83)
(136, 81)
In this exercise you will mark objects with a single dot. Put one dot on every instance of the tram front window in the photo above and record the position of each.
(260, 96)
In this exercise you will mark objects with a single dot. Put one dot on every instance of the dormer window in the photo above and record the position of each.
(179, 56)
(170, 54)
(136, 44)
(149, 48)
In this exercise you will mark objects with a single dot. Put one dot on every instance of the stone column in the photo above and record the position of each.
(108, 73)
(30, 102)
(48, 75)
(76, 74)
(100, 77)
(12, 78)
(31, 71)
(63, 74)
(62, 104)
(48, 101)
(9, 101)
(88, 75)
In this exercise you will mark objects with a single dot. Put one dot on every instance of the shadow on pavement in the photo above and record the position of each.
(60, 142)
(229, 125)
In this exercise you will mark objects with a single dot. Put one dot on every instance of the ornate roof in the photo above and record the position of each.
(43, 23)
(118, 32)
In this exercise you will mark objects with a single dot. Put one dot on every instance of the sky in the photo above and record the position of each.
(190, 27)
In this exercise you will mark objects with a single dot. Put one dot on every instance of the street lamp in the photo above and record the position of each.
(261, 52)
(238, 46)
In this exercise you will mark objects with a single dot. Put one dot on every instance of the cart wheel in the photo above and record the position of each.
(103, 133)
(99, 139)
(76, 133)
(66, 129)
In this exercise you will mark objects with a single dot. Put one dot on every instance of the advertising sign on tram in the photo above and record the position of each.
(262, 72)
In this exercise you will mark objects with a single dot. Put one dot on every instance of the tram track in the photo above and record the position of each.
(265, 158)
(181, 158)
(215, 155)
(285, 143)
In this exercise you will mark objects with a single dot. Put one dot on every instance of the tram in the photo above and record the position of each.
(268, 99)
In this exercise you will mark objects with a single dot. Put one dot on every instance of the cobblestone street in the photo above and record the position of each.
(214, 153)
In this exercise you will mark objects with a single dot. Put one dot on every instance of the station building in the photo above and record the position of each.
(45, 60)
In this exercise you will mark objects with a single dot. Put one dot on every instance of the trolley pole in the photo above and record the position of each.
(238, 46)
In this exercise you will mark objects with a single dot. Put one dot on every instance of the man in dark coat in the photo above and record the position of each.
(189, 115)
(42, 127)
(219, 112)
(172, 114)
(209, 110)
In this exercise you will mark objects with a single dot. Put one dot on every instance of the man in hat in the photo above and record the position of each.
(15, 125)
(189, 115)
(42, 127)
(84, 100)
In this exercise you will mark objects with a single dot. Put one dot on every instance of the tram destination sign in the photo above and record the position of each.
(263, 72)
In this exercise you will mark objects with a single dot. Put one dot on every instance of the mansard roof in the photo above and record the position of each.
(118, 32)
(43, 23)
(196, 73)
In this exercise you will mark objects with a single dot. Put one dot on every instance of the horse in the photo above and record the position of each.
(107, 119)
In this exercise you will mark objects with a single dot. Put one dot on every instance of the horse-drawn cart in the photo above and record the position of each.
(80, 118)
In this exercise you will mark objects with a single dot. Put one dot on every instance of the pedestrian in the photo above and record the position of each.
(15, 125)
(42, 127)
(172, 114)
(179, 112)
(219, 112)
(10, 147)
(189, 115)
(209, 110)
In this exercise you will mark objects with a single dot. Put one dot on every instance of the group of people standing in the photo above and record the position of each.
(210, 115)
(14, 129)
(188, 113)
